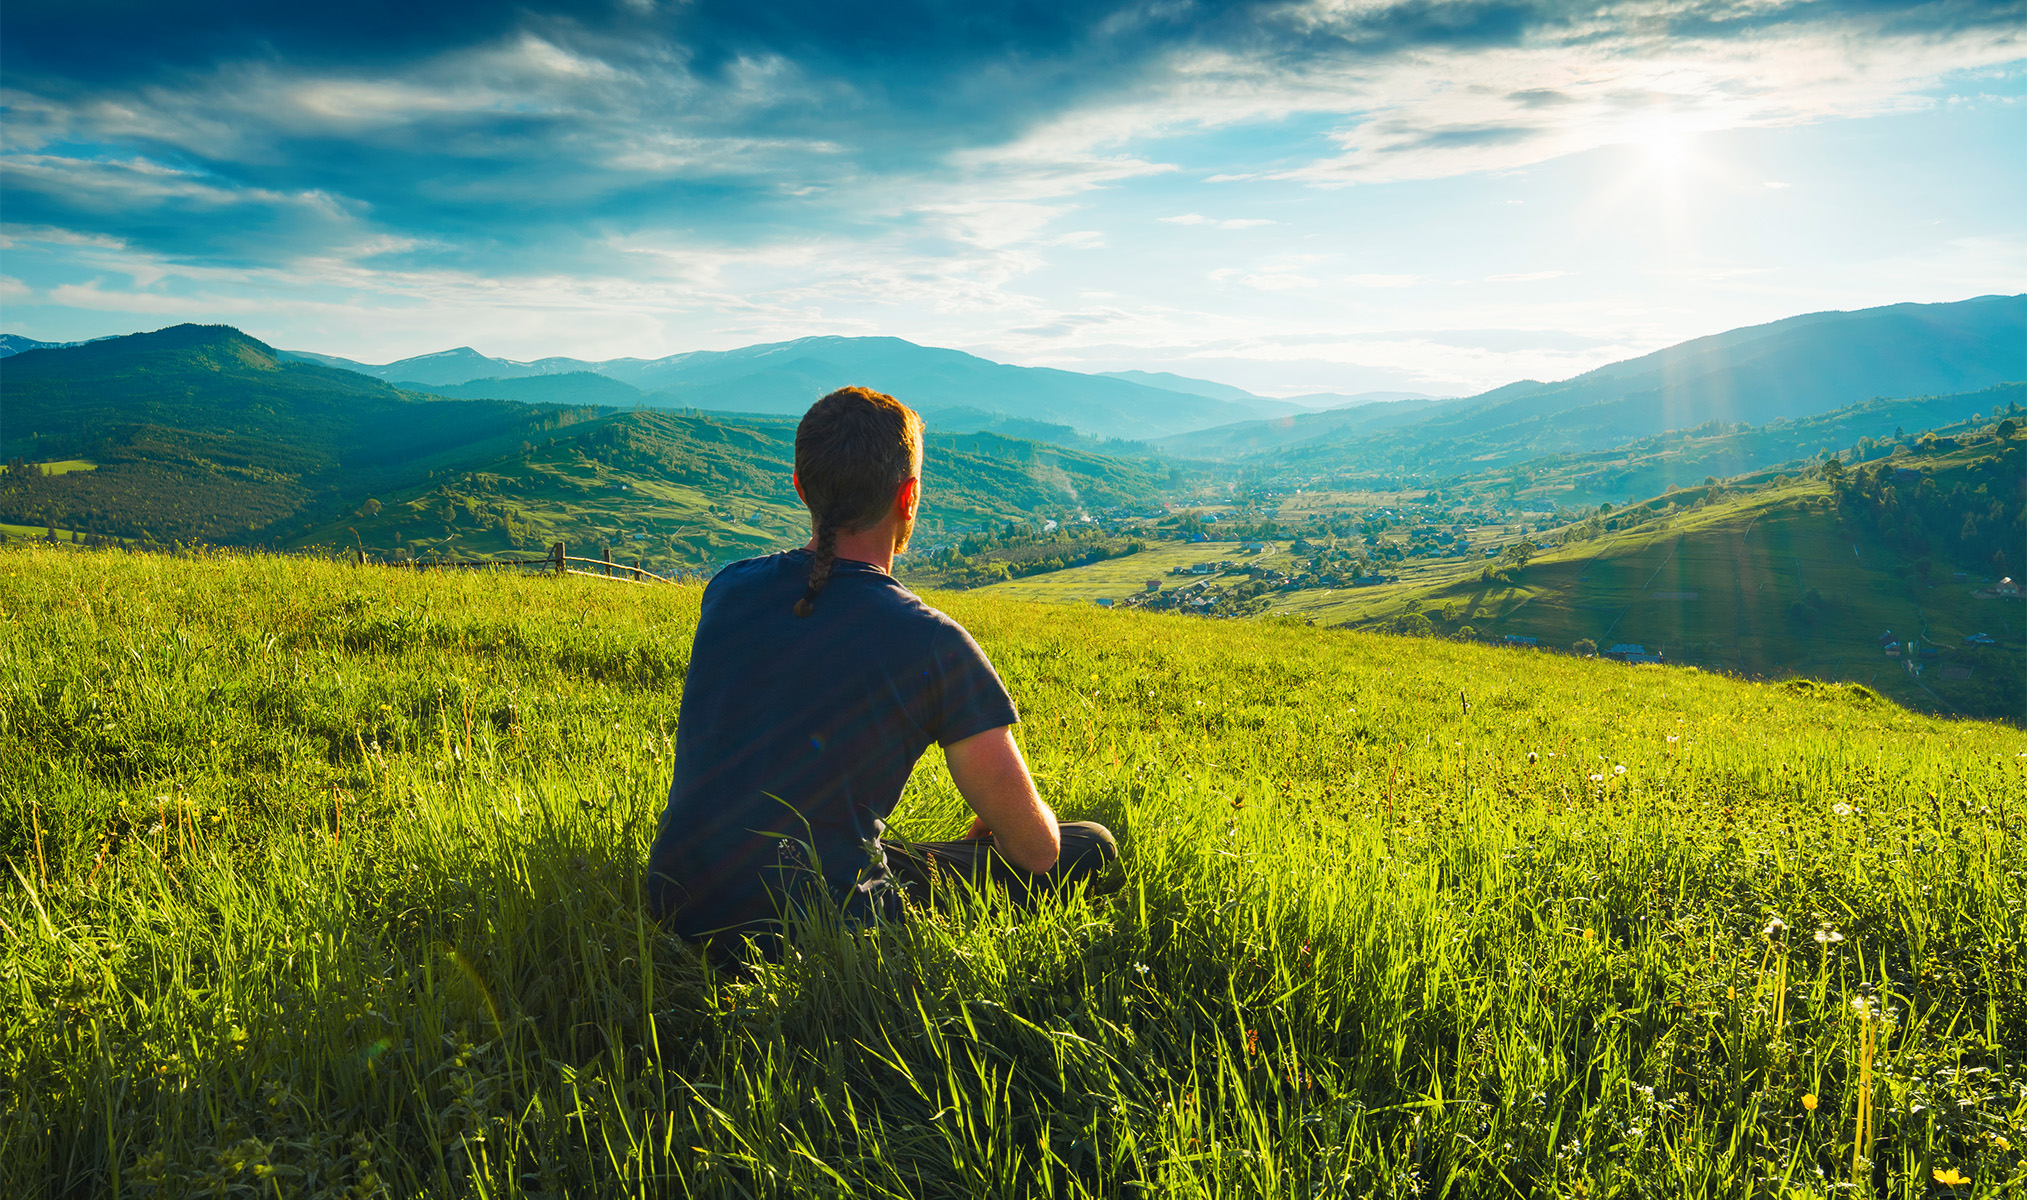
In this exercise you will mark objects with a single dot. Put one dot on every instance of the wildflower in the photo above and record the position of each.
(1809, 1102)
(1619, 770)
(1842, 810)
(2001, 1144)
(1140, 967)
(1674, 737)
(1597, 779)
(1949, 1176)
(1827, 935)
(1589, 934)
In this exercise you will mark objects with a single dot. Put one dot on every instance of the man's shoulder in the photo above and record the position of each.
(751, 572)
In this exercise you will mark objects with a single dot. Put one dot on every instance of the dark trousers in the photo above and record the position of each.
(1089, 859)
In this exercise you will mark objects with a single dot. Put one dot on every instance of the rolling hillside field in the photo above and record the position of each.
(1117, 578)
(324, 880)
(1719, 588)
(1764, 583)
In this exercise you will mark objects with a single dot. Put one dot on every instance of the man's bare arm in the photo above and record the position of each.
(994, 779)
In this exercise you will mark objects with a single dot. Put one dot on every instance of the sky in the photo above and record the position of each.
(1301, 196)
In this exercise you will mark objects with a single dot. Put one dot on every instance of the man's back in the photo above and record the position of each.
(806, 727)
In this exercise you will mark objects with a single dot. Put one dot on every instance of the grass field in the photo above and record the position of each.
(1117, 578)
(323, 881)
(35, 531)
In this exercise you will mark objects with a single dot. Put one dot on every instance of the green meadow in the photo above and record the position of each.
(1118, 578)
(323, 881)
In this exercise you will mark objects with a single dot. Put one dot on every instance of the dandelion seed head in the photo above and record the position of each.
(1842, 810)
(1619, 770)
(1597, 779)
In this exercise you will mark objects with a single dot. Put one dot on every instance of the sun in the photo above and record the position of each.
(1665, 150)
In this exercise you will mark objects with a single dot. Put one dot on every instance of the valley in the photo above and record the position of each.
(1725, 544)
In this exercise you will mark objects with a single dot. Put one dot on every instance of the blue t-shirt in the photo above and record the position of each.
(815, 719)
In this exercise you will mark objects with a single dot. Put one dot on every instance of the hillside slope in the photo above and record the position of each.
(205, 434)
(1787, 369)
(677, 491)
(322, 875)
(1773, 582)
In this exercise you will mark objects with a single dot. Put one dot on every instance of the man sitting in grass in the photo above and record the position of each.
(815, 682)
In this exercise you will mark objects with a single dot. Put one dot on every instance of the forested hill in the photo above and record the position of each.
(1788, 369)
(210, 396)
(201, 433)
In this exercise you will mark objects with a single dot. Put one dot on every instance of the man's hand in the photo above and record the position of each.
(994, 779)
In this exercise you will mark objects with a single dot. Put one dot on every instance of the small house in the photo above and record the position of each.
(1104, 602)
(2006, 588)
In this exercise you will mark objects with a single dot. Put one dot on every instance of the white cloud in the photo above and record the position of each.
(1525, 276)
(1200, 219)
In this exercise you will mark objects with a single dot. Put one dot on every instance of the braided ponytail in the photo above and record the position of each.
(853, 448)
(820, 565)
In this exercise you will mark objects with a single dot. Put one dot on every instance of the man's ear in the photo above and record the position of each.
(795, 479)
(908, 498)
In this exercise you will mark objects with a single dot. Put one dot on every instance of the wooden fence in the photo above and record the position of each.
(557, 562)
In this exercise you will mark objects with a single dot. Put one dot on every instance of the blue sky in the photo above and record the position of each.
(1326, 195)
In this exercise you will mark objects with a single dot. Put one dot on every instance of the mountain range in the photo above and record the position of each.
(1778, 371)
(785, 377)
(201, 433)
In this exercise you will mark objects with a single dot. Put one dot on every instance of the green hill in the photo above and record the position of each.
(322, 879)
(1787, 369)
(676, 491)
(1782, 580)
(1684, 458)
(204, 434)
